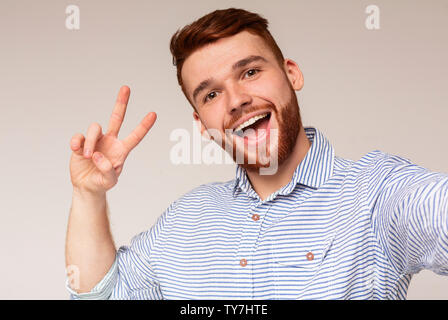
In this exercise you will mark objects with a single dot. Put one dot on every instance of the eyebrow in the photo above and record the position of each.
(237, 65)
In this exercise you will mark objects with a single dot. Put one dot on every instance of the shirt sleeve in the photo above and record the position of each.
(101, 291)
(410, 214)
(131, 276)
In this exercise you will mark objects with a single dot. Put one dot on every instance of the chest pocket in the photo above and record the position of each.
(301, 269)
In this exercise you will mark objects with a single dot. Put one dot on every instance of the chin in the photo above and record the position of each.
(254, 161)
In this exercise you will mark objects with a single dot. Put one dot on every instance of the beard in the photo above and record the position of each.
(284, 141)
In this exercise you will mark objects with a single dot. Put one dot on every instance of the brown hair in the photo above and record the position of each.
(214, 26)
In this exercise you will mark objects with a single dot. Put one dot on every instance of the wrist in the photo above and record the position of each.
(88, 194)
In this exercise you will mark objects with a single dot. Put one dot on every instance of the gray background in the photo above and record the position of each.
(383, 89)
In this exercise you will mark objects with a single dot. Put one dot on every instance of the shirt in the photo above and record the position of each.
(340, 229)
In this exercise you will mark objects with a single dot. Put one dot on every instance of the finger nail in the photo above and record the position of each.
(87, 152)
(97, 157)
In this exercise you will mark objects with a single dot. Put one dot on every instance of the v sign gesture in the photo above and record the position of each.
(97, 159)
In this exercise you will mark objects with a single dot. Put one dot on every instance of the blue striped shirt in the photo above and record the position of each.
(340, 229)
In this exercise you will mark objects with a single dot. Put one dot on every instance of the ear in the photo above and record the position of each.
(199, 124)
(293, 73)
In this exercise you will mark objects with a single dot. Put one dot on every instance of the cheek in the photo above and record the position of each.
(271, 87)
(213, 119)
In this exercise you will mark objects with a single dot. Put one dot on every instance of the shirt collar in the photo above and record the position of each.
(315, 168)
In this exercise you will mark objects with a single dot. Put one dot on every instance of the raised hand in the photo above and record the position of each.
(97, 159)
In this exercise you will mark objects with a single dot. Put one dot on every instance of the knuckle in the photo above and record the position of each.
(107, 166)
(76, 136)
(117, 116)
(95, 126)
(135, 136)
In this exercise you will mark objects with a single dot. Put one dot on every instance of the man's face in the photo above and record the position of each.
(242, 94)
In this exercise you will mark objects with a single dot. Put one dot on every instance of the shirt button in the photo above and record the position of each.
(243, 262)
(310, 256)
(255, 217)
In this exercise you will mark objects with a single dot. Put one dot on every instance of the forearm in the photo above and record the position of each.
(90, 251)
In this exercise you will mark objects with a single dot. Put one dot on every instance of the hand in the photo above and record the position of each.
(97, 159)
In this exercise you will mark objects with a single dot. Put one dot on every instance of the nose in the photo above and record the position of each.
(238, 98)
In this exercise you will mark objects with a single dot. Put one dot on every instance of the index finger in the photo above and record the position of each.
(116, 119)
(139, 133)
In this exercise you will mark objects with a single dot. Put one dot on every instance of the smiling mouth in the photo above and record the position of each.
(258, 122)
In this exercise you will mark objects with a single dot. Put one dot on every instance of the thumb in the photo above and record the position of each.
(106, 168)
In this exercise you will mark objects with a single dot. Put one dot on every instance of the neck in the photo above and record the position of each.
(264, 185)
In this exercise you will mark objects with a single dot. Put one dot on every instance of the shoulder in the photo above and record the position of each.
(384, 159)
(374, 171)
(204, 195)
(384, 166)
(372, 163)
(209, 189)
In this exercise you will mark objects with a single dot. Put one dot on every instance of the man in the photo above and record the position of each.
(317, 227)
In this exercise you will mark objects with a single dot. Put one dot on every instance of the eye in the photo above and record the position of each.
(210, 96)
(252, 72)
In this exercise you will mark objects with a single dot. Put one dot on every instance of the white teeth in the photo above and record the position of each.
(249, 122)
